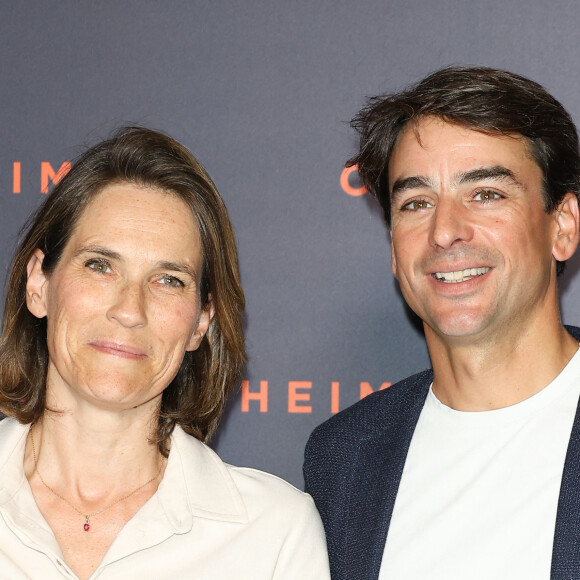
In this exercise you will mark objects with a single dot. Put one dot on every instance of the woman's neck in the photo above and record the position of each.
(89, 477)
(93, 456)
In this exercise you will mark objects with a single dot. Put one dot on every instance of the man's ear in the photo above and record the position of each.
(205, 318)
(567, 220)
(36, 285)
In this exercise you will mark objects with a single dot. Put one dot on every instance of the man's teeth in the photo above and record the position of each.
(460, 275)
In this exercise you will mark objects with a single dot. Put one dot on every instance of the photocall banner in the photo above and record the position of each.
(261, 93)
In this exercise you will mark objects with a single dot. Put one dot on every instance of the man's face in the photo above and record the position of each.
(472, 246)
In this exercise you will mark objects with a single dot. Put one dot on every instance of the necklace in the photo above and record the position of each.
(87, 524)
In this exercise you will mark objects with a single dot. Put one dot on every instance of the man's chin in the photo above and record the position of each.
(458, 328)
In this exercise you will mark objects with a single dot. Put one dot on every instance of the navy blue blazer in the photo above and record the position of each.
(354, 463)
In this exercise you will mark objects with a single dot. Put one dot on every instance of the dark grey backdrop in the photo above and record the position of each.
(261, 92)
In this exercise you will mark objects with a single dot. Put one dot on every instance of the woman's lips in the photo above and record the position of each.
(118, 349)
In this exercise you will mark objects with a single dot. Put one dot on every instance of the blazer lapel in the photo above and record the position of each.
(377, 469)
(566, 549)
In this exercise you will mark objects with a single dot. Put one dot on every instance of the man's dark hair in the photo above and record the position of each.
(483, 99)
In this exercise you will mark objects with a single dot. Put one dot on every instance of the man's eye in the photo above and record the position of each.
(416, 204)
(171, 281)
(486, 195)
(98, 265)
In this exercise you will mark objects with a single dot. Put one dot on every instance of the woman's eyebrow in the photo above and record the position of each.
(102, 251)
(162, 265)
(177, 267)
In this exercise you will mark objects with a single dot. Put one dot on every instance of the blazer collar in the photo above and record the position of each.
(566, 549)
(377, 469)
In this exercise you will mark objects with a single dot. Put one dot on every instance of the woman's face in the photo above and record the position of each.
(123, 303)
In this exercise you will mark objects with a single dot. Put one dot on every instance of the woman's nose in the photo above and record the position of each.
(128, 306)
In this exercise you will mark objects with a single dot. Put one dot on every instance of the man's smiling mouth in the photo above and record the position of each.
(460, 275)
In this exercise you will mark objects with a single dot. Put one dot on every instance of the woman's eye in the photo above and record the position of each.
(416, 204)
(171, 281)
(101, 266)
(487, 195)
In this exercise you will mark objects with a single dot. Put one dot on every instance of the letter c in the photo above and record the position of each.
(347, 187)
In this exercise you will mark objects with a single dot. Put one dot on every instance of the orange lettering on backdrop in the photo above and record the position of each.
(366, 389)
(16, 177)
(47, 172)
(294, 397)
(335, 397)
(345, 183)
(261, 395)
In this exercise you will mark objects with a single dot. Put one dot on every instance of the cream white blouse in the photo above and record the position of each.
(207, 521)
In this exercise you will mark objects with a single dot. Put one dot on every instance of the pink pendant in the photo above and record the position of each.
(86, 527)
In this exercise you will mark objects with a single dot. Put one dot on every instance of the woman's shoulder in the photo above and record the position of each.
(262, 484)
(252, 513)
(9, 424)
(11, 434)
(258, 489)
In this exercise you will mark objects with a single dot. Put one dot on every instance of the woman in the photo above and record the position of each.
(121, 340)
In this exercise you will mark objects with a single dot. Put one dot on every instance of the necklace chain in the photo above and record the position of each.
(87, 524)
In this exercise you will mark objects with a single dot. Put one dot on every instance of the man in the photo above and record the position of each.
(471, 470)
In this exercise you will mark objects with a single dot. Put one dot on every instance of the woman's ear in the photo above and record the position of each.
(36, 285)
(205, 318)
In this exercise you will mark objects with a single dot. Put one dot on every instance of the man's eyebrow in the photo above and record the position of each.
(406, 183)
(496, 172)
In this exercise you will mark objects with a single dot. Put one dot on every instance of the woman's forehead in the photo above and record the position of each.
(140, 220)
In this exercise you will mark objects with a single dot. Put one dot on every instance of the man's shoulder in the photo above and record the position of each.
(382, 407)
(333, 453)
(574, 331)
(371, 414)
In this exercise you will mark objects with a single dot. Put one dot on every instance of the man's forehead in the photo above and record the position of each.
(454, 141)
(417, 125)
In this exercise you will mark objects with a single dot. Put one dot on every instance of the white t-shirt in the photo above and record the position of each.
(479, 492)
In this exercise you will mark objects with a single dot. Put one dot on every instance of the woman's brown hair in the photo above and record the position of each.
(196, 396)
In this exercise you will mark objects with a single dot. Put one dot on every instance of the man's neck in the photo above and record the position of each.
(499, 371)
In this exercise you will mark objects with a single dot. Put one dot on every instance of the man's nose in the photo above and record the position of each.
(451, 223)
